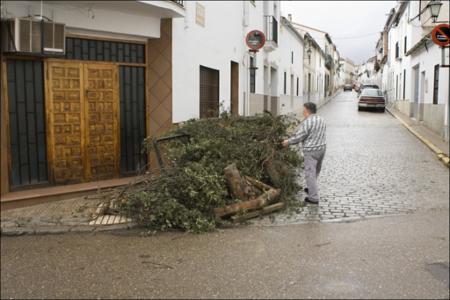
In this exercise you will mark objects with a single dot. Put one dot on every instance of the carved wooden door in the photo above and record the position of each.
(65, 119)
(82, 116)
(102, 117)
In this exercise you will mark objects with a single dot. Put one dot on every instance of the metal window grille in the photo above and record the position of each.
(96, 50)
(252, 76)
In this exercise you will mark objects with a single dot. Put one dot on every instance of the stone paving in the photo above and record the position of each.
(373, 167)
(75, 214)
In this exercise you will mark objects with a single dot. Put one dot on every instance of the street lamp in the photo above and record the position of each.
(435, 7)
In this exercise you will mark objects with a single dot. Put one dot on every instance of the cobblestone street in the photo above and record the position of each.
(373, 166)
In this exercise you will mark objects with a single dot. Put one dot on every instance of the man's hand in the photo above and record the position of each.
(285, 143)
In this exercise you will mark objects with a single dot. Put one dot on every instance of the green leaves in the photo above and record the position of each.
(185, 196)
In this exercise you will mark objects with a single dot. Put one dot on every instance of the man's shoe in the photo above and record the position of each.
(306, 190)
(310, 201)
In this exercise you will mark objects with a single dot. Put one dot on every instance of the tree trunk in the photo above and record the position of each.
(239, 189)
(260, 201)
(263, 211)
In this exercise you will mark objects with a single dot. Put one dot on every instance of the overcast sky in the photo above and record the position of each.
(354, 26)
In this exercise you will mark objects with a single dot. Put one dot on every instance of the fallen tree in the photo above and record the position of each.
(230, 165)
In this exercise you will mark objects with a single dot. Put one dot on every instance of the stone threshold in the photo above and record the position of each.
(41, 195)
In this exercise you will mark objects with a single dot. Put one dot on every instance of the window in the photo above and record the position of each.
(252, 76)
(404, 46)
(297, 86)
(436, 85)
(396, 87)
(292, 57)
(404, 82)
(396, 50)
(284, 83)
(372, 93)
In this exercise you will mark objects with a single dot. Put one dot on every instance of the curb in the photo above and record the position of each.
(440, 154)
(42, 230)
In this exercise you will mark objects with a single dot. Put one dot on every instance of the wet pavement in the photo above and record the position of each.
(391, 257)
(373, 167)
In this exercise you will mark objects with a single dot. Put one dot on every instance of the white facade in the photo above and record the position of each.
(214, 46)
(412, 75)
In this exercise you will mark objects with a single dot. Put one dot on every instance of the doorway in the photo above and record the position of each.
(292, 91)
(209, 92)
(415, 108)
(309, 87)
(234, 88)
(273, 91)
(83, 117)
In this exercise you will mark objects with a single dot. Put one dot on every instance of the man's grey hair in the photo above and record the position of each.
(311, 107)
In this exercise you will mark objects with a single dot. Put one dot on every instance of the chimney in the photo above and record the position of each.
(290, 17)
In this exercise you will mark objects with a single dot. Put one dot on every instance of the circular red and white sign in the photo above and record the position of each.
(255, 39)
(441, 35)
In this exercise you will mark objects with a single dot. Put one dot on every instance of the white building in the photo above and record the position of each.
(220, 55)
(347, 71)
(413, 76)
(314, 71)
(324, 41)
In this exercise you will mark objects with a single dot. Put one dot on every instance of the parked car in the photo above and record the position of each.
(372, 98)
(348, 87)
(365, 86)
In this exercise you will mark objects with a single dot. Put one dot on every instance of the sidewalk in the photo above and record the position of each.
(425, 135)
(80, 214)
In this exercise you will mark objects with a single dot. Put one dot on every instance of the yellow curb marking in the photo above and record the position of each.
(440, 154)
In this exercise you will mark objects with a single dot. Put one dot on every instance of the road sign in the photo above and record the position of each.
(441, 35)
(255, 40)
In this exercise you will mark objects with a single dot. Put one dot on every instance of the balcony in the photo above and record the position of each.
(271, 30)
(329, 62)
(179, 2)
(166, 9)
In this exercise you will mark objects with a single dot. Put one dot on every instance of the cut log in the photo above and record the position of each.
(262, 200)
(260, 185)
(239, 189)
(265, 210)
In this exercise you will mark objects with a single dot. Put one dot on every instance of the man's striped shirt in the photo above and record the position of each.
(311, 134)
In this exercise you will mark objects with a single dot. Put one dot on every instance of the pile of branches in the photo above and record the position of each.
(187, 194)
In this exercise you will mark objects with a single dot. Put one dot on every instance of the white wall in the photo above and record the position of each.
(212, 46)
(289, 42)
(215, 44)
(111, 17)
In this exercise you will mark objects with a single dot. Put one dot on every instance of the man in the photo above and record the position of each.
(312, 136)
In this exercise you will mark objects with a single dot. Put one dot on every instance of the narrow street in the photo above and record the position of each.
(373, 166)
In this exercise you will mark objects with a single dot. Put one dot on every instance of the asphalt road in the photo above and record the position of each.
(393, 256)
